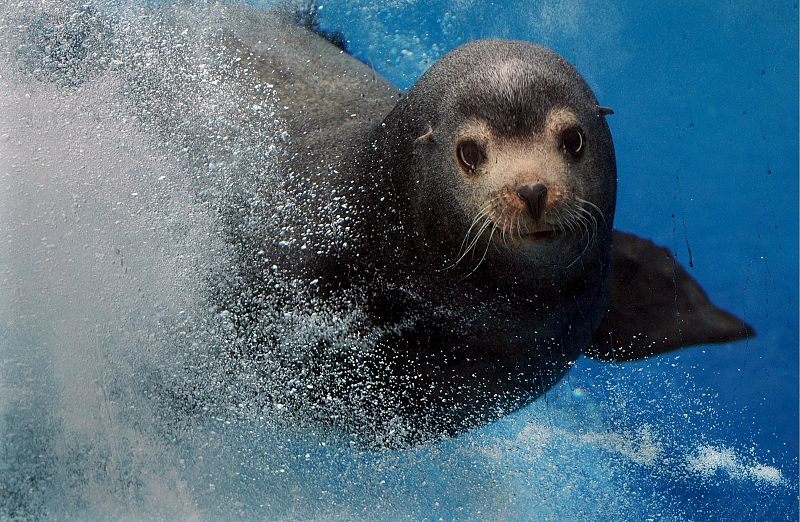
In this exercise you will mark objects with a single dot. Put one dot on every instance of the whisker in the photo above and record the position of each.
(487, 221)
(571, 221)
(595, 207)
(503, 230)
(587, 213)
(594, 224)
(588, 231)
(482, 214)
(564, 222)
(486, 250)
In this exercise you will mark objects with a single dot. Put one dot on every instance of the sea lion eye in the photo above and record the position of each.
(470, 154)
(573, 142)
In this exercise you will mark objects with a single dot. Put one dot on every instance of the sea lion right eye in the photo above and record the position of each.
(573, 141)
(470, 154)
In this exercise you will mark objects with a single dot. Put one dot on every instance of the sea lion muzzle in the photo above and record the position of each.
(536, 198)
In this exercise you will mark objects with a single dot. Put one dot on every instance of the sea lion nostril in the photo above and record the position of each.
(536, 198)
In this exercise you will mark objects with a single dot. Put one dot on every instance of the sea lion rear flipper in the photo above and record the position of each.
(655, 306)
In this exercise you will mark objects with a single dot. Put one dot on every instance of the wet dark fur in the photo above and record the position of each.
(471, 349)
(434, 350)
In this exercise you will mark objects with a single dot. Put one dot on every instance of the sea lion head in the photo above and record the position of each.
(506, 163)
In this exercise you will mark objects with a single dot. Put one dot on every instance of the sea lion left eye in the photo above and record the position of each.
(573, 141)
(470, 155)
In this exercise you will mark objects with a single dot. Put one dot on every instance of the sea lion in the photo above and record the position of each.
(429, 261)
(479, 238)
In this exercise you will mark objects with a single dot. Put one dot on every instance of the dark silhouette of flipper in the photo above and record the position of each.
(655, 306)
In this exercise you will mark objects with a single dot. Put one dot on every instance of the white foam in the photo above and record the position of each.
(708, 460)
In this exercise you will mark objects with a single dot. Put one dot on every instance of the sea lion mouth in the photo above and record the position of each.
(541, 235)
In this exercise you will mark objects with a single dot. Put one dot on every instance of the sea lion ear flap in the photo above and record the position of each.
(426, 138)
(604, 111)
(655, 306)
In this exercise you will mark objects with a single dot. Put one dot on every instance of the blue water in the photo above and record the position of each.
(706, 133)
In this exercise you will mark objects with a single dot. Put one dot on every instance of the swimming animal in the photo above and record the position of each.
(478, 211)
(432, 260)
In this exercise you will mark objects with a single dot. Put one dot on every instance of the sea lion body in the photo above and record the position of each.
(432, 261)
(463, 341)
(469, 222)
(402, 267)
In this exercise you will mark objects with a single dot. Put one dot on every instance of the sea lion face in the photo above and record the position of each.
(527, 189)
(513, 164)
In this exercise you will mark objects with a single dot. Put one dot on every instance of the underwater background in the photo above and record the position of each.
(105, 253)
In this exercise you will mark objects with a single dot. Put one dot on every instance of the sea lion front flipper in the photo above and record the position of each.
(655, 306)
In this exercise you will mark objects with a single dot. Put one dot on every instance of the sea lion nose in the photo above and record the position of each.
(536, 197)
